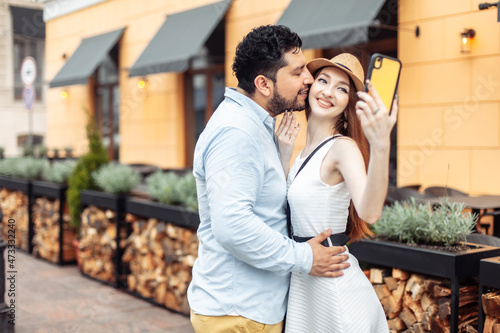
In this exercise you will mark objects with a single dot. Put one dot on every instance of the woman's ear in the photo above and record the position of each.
(263, 85)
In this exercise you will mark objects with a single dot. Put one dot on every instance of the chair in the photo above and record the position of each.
(440, 191)
(486, 226)
(144, 169)
(395, 193)
(483, 239)
(415, 187)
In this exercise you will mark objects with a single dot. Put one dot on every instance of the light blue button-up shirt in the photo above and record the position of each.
(244, 257)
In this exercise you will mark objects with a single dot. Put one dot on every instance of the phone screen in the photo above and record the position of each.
(383, 73)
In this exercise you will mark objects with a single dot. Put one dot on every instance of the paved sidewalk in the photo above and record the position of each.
(54, 299)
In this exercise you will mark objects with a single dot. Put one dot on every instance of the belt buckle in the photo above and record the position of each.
(329, 241)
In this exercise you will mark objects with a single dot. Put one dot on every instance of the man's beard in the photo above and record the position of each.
(278, 104)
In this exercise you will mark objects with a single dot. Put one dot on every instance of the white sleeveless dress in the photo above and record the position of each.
(316, 304)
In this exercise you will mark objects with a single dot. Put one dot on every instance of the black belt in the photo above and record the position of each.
(340, 239)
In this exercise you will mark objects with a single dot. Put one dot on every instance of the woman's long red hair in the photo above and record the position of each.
(356, 227)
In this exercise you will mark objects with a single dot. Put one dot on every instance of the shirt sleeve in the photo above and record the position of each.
(235, 171)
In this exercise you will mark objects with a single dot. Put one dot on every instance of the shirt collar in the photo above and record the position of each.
(249, 104)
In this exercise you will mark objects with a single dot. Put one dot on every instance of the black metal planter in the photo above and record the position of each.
(453, 266)
(58, 192)
(25, 186)
(489, 276)
(176, 215)
(116, 203)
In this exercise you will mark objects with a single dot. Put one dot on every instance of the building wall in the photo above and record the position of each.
(448, 127)
(449, 122)
(14, 116)
(151, 119)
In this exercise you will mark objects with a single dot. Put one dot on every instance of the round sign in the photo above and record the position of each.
(28, 71)
(28, 96)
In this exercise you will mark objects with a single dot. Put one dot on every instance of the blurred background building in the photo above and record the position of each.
(22, 34)
(152, 72)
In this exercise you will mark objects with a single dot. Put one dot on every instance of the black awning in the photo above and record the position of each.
(179, 39)
(324, 24)
(28, 22)
(85, 60)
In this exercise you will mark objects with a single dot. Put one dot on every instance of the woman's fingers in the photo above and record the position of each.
(282, 125)
(395, 109)
(378, 103)
(287, 131)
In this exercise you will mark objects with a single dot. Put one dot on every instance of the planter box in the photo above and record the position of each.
(453, 266)
(489, 273)
(57, 192)
(178, 215)
(25, 186)
(178, 241)
(115, 203)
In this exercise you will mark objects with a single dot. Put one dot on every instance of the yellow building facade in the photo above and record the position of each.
(448, 130)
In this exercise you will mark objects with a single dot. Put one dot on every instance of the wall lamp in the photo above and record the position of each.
(142, 83)
(63, 94)
(466, 36)
(487, 5)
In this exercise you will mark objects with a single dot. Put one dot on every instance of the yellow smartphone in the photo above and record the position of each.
(383, 73)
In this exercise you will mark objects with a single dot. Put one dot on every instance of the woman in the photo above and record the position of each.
(335, 190)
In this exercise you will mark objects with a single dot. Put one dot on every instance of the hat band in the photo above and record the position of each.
(344, 66)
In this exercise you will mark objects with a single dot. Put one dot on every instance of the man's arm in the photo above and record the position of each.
(234, 165)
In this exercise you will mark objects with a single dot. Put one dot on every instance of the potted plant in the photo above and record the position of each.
(68, 152)
(102, 222)
(28, 150)
(426, 239)
(16, 176)
(174, 199)
(169, 219)
(53, 234)
(55, 153)
(42, 151)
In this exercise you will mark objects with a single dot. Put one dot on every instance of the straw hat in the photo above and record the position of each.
(346, 62)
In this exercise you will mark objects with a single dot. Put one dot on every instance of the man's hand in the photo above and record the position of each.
(327, 261)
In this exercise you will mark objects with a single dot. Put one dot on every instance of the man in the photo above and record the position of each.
(241, 277)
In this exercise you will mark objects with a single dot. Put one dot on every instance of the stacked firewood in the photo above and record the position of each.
(14, 205)
(46, 231)
(415, 303)
(491, 308)
(98, 243)
(160, 259)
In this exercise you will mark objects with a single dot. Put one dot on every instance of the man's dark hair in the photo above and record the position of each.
(261, 52)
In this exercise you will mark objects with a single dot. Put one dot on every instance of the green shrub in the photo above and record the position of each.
(8, 167)
(24, 167)
(28, 150)
(170, 189)
(186, 191)
(42, 151)
(159, 186)
(2, 152)
(81, 176)
(59, 171)
(116, 178)
(409, 222)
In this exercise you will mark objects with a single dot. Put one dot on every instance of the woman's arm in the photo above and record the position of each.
(286, 135)
(368, 190)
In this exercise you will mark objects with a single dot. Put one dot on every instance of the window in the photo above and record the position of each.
(205, 85)
(28, 41)
(107, 103)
